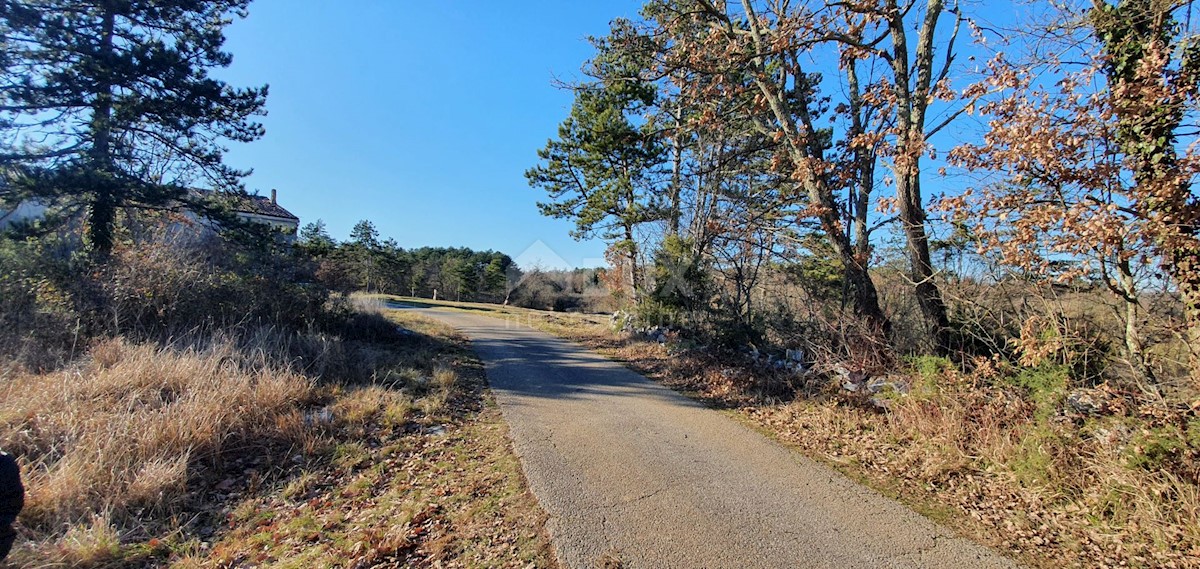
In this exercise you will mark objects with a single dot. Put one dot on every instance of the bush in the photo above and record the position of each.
(650, 313)
(1046, 386)
(42, 300)
(54, 298)
(1158, 448)
(681, 282)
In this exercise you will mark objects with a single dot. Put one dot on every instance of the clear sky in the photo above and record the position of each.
(420, 116)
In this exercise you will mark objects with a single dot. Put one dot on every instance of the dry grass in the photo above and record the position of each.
(1054, 490)
(567, 324)
(449, 500)
(1055, 494)
(136, 453)
(115, 434)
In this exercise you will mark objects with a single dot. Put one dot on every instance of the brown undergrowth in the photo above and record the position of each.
(265, 447)
(1047, 486)
(996, 453)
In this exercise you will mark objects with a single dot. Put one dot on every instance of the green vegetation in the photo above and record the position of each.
(369, 264)
(113, 107)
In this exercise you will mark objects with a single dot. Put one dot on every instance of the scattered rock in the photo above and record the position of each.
(887, 385)
(622, 319)
(436, 430)
(1087, 402)
(796, 356)
(882, 403)
(851, 380)
(658, 334)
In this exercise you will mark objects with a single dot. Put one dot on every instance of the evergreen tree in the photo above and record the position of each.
(364, 251)
(365, 235)
(495, 275)
(108, 104)
(604, 171)
(315, 238)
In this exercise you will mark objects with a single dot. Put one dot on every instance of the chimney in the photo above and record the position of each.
(274, 197)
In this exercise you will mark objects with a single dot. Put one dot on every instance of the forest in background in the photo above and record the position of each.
(370, 264)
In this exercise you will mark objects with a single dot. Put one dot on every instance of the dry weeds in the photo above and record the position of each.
(148, 455)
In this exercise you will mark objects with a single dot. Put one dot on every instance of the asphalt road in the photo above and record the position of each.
(634, 475)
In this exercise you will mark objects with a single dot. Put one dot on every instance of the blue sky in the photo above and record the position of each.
(421, 117)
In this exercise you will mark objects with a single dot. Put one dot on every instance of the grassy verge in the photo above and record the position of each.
(266, 447)
(572, 325)
(996, 454)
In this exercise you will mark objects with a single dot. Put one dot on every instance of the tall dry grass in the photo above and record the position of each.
(110, 441)
(128, 383)
(115, 445)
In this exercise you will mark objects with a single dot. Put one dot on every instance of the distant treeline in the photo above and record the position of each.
(366, 262)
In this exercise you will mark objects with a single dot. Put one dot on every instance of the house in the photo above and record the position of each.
(261, 209)
(255, 208)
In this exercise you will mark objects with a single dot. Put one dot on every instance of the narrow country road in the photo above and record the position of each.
(634, 475)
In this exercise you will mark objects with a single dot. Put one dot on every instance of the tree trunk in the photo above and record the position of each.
(1135, 348)
(912, 217)
(912, 101)
(866, 301)
(631, 257)
(676, 179)
(103, 207)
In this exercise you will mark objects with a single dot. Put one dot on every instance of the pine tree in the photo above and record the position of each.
(315, 237)
(364, 248)
(108, 104)
(604, 171)
(364, 234)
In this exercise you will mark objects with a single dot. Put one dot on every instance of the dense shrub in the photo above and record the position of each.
(54, 298)
(42, 302)
(578, 290)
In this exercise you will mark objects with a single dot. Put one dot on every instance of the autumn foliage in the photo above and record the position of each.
(1097, 162)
